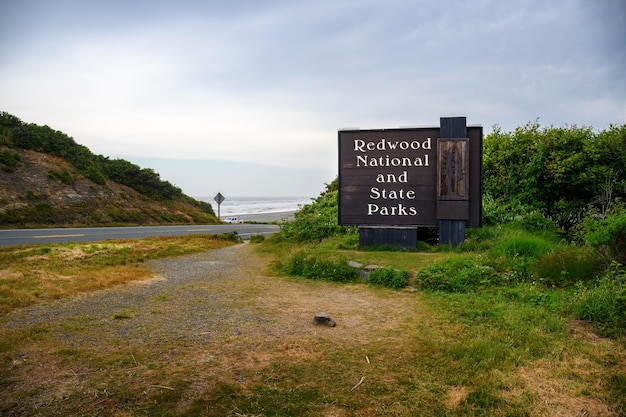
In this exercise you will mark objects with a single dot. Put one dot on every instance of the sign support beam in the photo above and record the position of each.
(452, 198)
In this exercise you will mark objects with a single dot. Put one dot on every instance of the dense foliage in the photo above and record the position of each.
(607, 235)
(16, 134)
(316, 221)
(563, 173)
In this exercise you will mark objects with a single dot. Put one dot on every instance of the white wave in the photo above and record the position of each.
(256, 205)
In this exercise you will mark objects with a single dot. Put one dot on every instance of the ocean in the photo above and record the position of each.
(257, 205)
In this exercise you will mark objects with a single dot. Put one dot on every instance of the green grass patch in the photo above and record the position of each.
(603, 303)
(565, 265)
(257, 238)
(462, 274)
(390, 278)
(315, 267)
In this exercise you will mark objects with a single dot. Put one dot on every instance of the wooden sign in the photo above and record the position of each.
(409, 177)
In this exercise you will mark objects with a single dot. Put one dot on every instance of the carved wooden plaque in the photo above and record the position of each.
(453, 175)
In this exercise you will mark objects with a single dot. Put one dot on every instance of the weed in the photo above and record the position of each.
(566, 265)
(607, 235)
(603, 303)
(457, 275)
(390, 278)
(257, 238)
(519, 244)
(310, 266)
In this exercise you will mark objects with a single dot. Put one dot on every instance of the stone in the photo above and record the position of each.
(354, 264)
(371, 268)
(323, 319)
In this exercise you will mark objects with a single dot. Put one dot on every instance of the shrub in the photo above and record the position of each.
(390, 278)
(309, 266)
(231, 236)
(604, 303)
(315, 221)
(9, 160)
(62, 175)
(566, 265)
(456, 275)
(349, 242)
(505, 210)
(518, 249)
(560, 172)
(519, 243)
(607, 235)
(257, 238)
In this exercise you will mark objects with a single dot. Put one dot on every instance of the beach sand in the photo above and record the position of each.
(263, 217)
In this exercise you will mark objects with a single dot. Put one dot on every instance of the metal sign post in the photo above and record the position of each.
(219, 199)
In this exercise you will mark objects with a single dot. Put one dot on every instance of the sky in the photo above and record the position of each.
(245, 97)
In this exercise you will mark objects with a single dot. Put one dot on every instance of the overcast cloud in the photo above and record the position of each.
(260, 88)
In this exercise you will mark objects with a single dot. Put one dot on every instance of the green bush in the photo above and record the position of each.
(519, 243)
(456, 276)
(309, 266)
(231, 236)
(257, 238)
(316, 221)
(566, 265)
(349, 242)
(390, 278)
(515, 250)
(62, 175)
(559, 172)
(604, 303)
(607, 235)
(9, 160)
(507, 211)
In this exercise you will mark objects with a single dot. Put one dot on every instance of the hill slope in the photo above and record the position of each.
(48, 179)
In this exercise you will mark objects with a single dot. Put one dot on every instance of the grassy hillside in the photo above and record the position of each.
(49, 179)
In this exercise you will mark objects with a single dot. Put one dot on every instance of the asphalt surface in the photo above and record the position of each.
(94, 234)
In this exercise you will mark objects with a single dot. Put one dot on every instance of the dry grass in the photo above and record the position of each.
(34, 273)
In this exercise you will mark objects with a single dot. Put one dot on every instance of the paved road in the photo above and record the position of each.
(93, 234)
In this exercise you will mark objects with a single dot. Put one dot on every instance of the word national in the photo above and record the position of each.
(387, 161)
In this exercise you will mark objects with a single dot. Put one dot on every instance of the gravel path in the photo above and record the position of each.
(191, 298)
(213, 298)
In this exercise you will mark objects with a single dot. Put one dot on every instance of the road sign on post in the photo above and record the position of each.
(219, 199)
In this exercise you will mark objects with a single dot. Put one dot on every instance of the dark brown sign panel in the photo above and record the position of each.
(397, 176)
